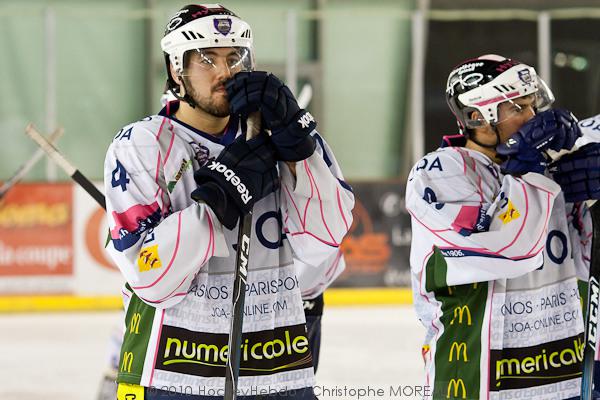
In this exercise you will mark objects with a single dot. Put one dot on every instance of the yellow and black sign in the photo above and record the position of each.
(126, 391)
(510, 214)
(543, 364)
(263, 353)
(149, 259)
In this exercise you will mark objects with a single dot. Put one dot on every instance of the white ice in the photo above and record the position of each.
(365, 351)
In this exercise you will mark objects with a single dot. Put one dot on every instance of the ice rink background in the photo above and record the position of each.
(62, 356)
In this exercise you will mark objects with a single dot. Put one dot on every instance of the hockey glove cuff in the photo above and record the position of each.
(578, 173)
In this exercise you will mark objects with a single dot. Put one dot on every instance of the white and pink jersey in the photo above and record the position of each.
(495, 261)
(179, 261)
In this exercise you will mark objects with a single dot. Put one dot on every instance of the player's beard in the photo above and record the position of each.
(214, 104)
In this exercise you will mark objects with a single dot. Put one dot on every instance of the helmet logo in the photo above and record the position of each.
(222, 25)
(176, 20)
(525, 76)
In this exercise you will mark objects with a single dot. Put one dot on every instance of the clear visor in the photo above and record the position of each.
(540, 100)
(230, 59)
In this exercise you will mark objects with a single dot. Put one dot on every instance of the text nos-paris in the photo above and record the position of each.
(259, 288)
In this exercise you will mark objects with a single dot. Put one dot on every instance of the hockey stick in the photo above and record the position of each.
(28, 165)
(65, 165)
(232, 370)
(591, 315)
(232, 367)
(593, 296)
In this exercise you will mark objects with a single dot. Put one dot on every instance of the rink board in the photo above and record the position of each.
(53, 236)
(333, 297)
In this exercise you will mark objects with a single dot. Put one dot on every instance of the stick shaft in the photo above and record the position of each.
(232, 367)
(591, 315)
(28, 165)
(66, 165)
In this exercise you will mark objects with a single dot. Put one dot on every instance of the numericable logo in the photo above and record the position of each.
(232, 178)
(181, 351)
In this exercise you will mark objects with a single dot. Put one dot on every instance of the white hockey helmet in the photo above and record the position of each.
(483, 83)
(202, 26)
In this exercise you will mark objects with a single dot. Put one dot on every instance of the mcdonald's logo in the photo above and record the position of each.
(460, 311)
(456, 384)
(127, 361)
(458, 347)
(134, 324)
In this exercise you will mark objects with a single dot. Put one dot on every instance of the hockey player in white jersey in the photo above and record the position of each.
(497, 249)
(176, 186)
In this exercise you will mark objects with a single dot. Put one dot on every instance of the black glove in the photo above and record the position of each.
(289, 124)
(554, 129)
(242, 174)
(578, 173)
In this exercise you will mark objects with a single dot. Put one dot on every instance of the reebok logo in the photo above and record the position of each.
(231, 177)
(305, 120)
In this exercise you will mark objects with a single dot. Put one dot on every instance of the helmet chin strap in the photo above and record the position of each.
(487, 146)
(186, 97)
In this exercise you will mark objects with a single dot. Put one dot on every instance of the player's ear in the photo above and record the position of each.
(176, 76)
(476, 116)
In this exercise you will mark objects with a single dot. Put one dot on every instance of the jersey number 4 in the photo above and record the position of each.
(119, 177)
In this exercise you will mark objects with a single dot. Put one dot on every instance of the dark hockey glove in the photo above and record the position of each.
(289, 124)
(524, 151)
(578, 173)
(242, 174)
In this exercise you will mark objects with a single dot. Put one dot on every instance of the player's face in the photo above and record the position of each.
(206, 74)
(512, 115)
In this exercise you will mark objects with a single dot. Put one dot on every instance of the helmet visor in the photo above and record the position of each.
(232, 59)
(544, 96)
(538, 101)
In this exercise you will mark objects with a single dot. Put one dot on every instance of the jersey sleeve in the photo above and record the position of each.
(316, 206)
(481, 235)
(158, 250)
(313, 281)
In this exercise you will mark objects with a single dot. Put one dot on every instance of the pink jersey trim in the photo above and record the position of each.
(545, 223)
(478, 249)
(313, 180)
(294, 204)
(466, 218)
(129, 219)
(496, 99)
(312, 193)
(170, 143)
(339, 201)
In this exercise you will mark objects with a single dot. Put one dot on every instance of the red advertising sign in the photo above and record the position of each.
(36, 230)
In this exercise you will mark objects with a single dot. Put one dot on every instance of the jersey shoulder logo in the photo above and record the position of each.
(510, 214)
(148, 259)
